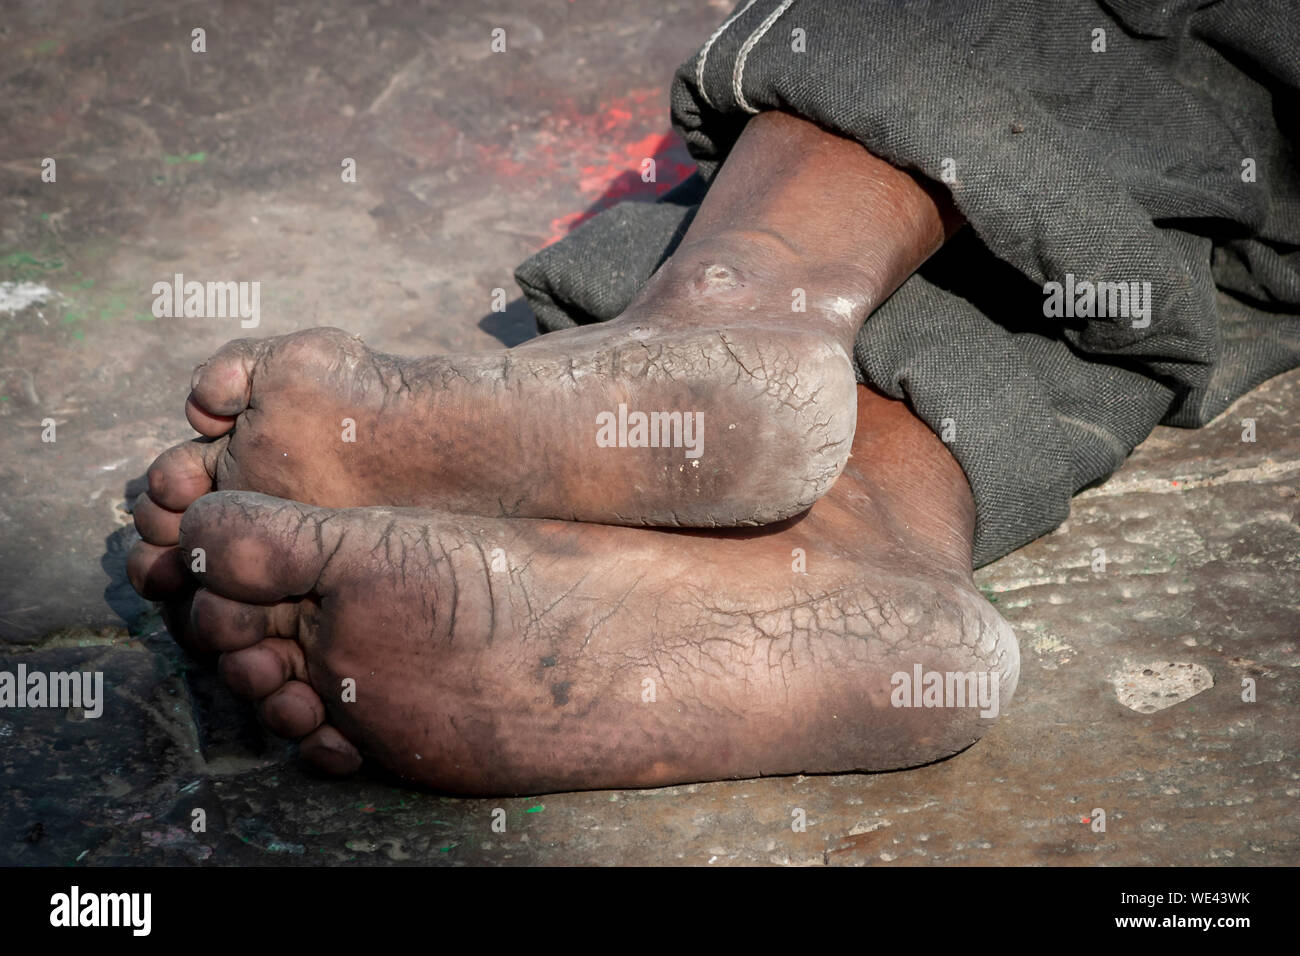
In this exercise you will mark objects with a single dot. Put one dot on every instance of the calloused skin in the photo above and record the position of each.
(768, 650)
(499, 646)
(510, 432)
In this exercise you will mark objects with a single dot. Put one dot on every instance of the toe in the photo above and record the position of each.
(259, 549)
(293, 711)
(220, 624)
(157, 573)
(263, 669)
(183, 474)
(329, 750)
(175, 613)
(155, 523)
(204, 422)
(221, 387)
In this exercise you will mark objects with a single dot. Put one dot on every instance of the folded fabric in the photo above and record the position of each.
(1128, 174)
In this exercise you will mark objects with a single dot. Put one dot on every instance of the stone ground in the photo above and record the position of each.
(227, 164)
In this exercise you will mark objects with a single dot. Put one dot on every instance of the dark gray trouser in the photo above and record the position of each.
(1158, 151)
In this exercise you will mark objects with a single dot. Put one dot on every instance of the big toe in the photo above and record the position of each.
(257, 549)
(177, 478)
(222, 386)
(157, 573)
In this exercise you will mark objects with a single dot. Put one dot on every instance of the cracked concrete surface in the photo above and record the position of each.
(227, 165)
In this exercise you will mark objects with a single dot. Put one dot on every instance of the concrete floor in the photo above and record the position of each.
(226, 164)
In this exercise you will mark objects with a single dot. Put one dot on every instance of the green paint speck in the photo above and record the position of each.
(25, 266)
(537, 809)
(45, 46)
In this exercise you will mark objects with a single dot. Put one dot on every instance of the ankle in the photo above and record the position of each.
(753, 275)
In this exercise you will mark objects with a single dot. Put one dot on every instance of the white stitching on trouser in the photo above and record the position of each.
(738, 74)
(699, 67)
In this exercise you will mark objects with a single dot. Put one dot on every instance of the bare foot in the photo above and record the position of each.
(737, 351)
(648, 419)
(488, 655)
